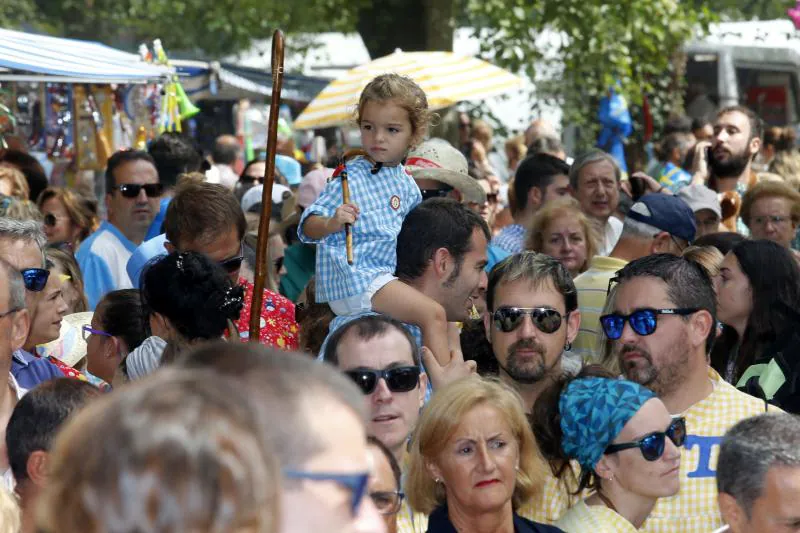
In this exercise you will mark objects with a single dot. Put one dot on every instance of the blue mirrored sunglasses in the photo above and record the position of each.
(35, 278)
(643, 321)
(355, 483)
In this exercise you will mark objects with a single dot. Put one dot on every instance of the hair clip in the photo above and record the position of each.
(179, 263)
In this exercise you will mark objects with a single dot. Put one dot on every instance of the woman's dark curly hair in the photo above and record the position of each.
(193, 292)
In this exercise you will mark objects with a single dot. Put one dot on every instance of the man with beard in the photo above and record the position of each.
(662, 329)
(532, 318)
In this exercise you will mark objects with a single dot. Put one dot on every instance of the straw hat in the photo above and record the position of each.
(436, 159)
(69, 347)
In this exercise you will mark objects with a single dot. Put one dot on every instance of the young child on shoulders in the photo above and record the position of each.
(393, 117)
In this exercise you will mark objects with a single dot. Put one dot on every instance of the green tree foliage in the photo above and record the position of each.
(576, 49)
(747, 9)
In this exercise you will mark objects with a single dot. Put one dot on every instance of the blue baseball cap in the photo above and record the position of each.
(288, 167)
(667, 213)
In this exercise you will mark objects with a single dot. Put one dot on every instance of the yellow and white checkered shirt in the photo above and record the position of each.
(553, 501)
(694, 509)
(410, 522)
(582, 518)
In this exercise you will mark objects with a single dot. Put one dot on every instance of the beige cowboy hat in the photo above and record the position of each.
(436, 159)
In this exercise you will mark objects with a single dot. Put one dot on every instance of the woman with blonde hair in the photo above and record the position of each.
(68, 217)
(13, 183)
(474, 460)
(561, 230)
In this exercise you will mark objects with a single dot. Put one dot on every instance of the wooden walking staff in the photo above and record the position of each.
(341, 172)
(266, 197)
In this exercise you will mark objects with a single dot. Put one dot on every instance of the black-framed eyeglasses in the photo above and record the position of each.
(387, 502)
(398, 379)
(232, 264)
(35, 279)
(250, 180)
(652, 445)
(10, 312)
(643, 321)
(440, 192)
(546, 320)
(355, 483)
(132, 190)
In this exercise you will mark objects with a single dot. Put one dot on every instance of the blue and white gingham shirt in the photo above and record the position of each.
(384, 199)
(511, 239)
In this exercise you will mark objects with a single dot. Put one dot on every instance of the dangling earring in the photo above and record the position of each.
(568, 347)
(437, 480)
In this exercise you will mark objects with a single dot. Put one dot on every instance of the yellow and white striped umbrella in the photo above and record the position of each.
(445, 77)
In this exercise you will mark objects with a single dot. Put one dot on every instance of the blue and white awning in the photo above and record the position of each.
(31, 57)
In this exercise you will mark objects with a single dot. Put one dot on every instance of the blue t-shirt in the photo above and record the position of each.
(103, 259)
(142, 255)
(30, 370)
(155, 227)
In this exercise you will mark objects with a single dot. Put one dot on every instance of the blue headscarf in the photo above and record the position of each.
(593, 412)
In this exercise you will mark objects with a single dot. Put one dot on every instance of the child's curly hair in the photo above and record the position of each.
(404, 92)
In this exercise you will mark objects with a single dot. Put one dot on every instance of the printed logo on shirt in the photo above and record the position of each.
(395, 202)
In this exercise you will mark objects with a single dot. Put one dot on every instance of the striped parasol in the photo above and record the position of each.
(445, 77)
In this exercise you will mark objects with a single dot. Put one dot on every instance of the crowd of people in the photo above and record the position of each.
(470, 340)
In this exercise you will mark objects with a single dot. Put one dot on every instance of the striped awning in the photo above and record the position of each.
(445, 77)
(31, 57)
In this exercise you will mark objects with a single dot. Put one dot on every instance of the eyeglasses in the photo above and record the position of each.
(388, 503)
(10, 311)
(652, 445)
(398, 379)
(491, 197)
(132, 190)
(435, 193)
(87, 331)
(776, 220)
(643, 321)
(546, 320)
(355, 483)
(35, 278)
(232, 264)
(249, 180)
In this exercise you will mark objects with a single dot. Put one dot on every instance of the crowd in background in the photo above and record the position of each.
(565, 347)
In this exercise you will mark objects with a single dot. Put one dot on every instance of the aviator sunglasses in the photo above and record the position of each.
(398, 379)
(643, 321)
(546, 320)
(652, 445)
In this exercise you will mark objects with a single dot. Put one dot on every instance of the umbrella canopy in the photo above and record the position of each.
(445, 77)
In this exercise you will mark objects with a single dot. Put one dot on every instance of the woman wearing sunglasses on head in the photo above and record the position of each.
(68, 217)
(623, 439)
(474, 460)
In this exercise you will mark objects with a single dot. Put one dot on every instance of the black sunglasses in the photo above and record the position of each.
(435, 193)
(652, 445)
(35, 279)
(50, 220)
(249, 180)
(643, 321)
(232, 264)
(132, 190)
(546, 320)
(398, 379)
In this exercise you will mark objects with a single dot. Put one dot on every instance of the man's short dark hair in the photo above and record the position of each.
(538, 269)
(436, 223)
(226, 150)
(285, 386)
(120, 158)
(367, 328)
(756, 124)
(174, 154)
(538, 170)
(688, 283)
(201, 212)
(679, 124)
(750, 449)
(38, 416)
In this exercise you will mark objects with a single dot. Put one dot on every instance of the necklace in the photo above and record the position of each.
(606, 501)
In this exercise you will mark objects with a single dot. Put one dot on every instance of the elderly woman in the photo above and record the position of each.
(561, 230)
(474, 460)
(623, 438)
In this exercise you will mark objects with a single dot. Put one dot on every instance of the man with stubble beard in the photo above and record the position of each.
(662, 327)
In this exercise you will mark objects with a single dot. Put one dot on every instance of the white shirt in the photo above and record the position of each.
(610, 236)
(7, 480)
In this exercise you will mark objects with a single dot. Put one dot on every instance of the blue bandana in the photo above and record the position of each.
(593, 412)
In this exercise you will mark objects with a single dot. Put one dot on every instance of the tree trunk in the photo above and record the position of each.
(411, 25)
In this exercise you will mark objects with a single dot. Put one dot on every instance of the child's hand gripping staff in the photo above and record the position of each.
(346, 212)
